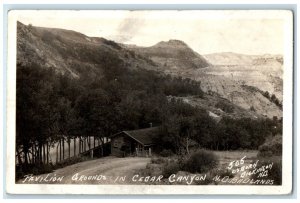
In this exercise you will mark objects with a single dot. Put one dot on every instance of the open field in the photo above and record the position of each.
(225, 157)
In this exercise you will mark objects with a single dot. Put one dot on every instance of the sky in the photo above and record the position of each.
(246, 32)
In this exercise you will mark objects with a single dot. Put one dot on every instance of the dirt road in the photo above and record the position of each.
(107, 170)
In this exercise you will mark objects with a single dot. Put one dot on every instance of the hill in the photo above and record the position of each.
(82, 57)
(261, 71)
(71, 86)
(173, 56)
(72, 52)
(225, 74)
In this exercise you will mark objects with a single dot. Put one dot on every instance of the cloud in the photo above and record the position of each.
(128, 28)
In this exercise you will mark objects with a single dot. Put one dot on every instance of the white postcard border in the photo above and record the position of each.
(285, 188)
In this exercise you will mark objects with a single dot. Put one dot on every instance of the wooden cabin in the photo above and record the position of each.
(134, 143)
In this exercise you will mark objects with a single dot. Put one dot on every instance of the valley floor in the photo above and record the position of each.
(142, 170)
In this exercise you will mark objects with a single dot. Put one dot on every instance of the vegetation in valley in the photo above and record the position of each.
(272, 98)
(110, 95)
(270, 152)
(197, 162)
(184, 126)
(52, 107)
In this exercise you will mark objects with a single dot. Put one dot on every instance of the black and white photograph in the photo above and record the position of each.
(150, 102)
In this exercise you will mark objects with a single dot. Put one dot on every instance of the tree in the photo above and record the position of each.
(97, 114)
(205, 130)
(252, 108)
(183, 123)
(266, 94)
(171, 137)
(273, 98)
(36, 111)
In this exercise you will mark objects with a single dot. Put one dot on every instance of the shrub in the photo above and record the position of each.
(275, 173)
(147, 171)
(226, 172)
(208, 180)
(225, 106)
(22, 170)
(266, 94)
(112, 43)
(200, 162)
(48, 37)
(170, 168)
(166, 153)
(252, 108)
(157, 160)
(272, 147)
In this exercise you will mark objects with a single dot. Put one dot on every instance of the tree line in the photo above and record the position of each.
(185, 126)
(272, 98)
(54, 107)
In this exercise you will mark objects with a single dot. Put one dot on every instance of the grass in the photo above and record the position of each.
(200, 161)
(225, 157)
(272, 147)
(71, 161)
(275, 173)
(47, 168)
(271, 152)
(158, 160)
(237, 154)
(166, 166)
(22, 170)
(166, 153)
(172, 165)
(170, 168)
(175, 165)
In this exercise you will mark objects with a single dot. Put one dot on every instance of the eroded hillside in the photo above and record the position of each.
(221, 76)
(227, 74)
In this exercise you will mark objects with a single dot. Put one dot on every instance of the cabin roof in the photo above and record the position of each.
(143, 136)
